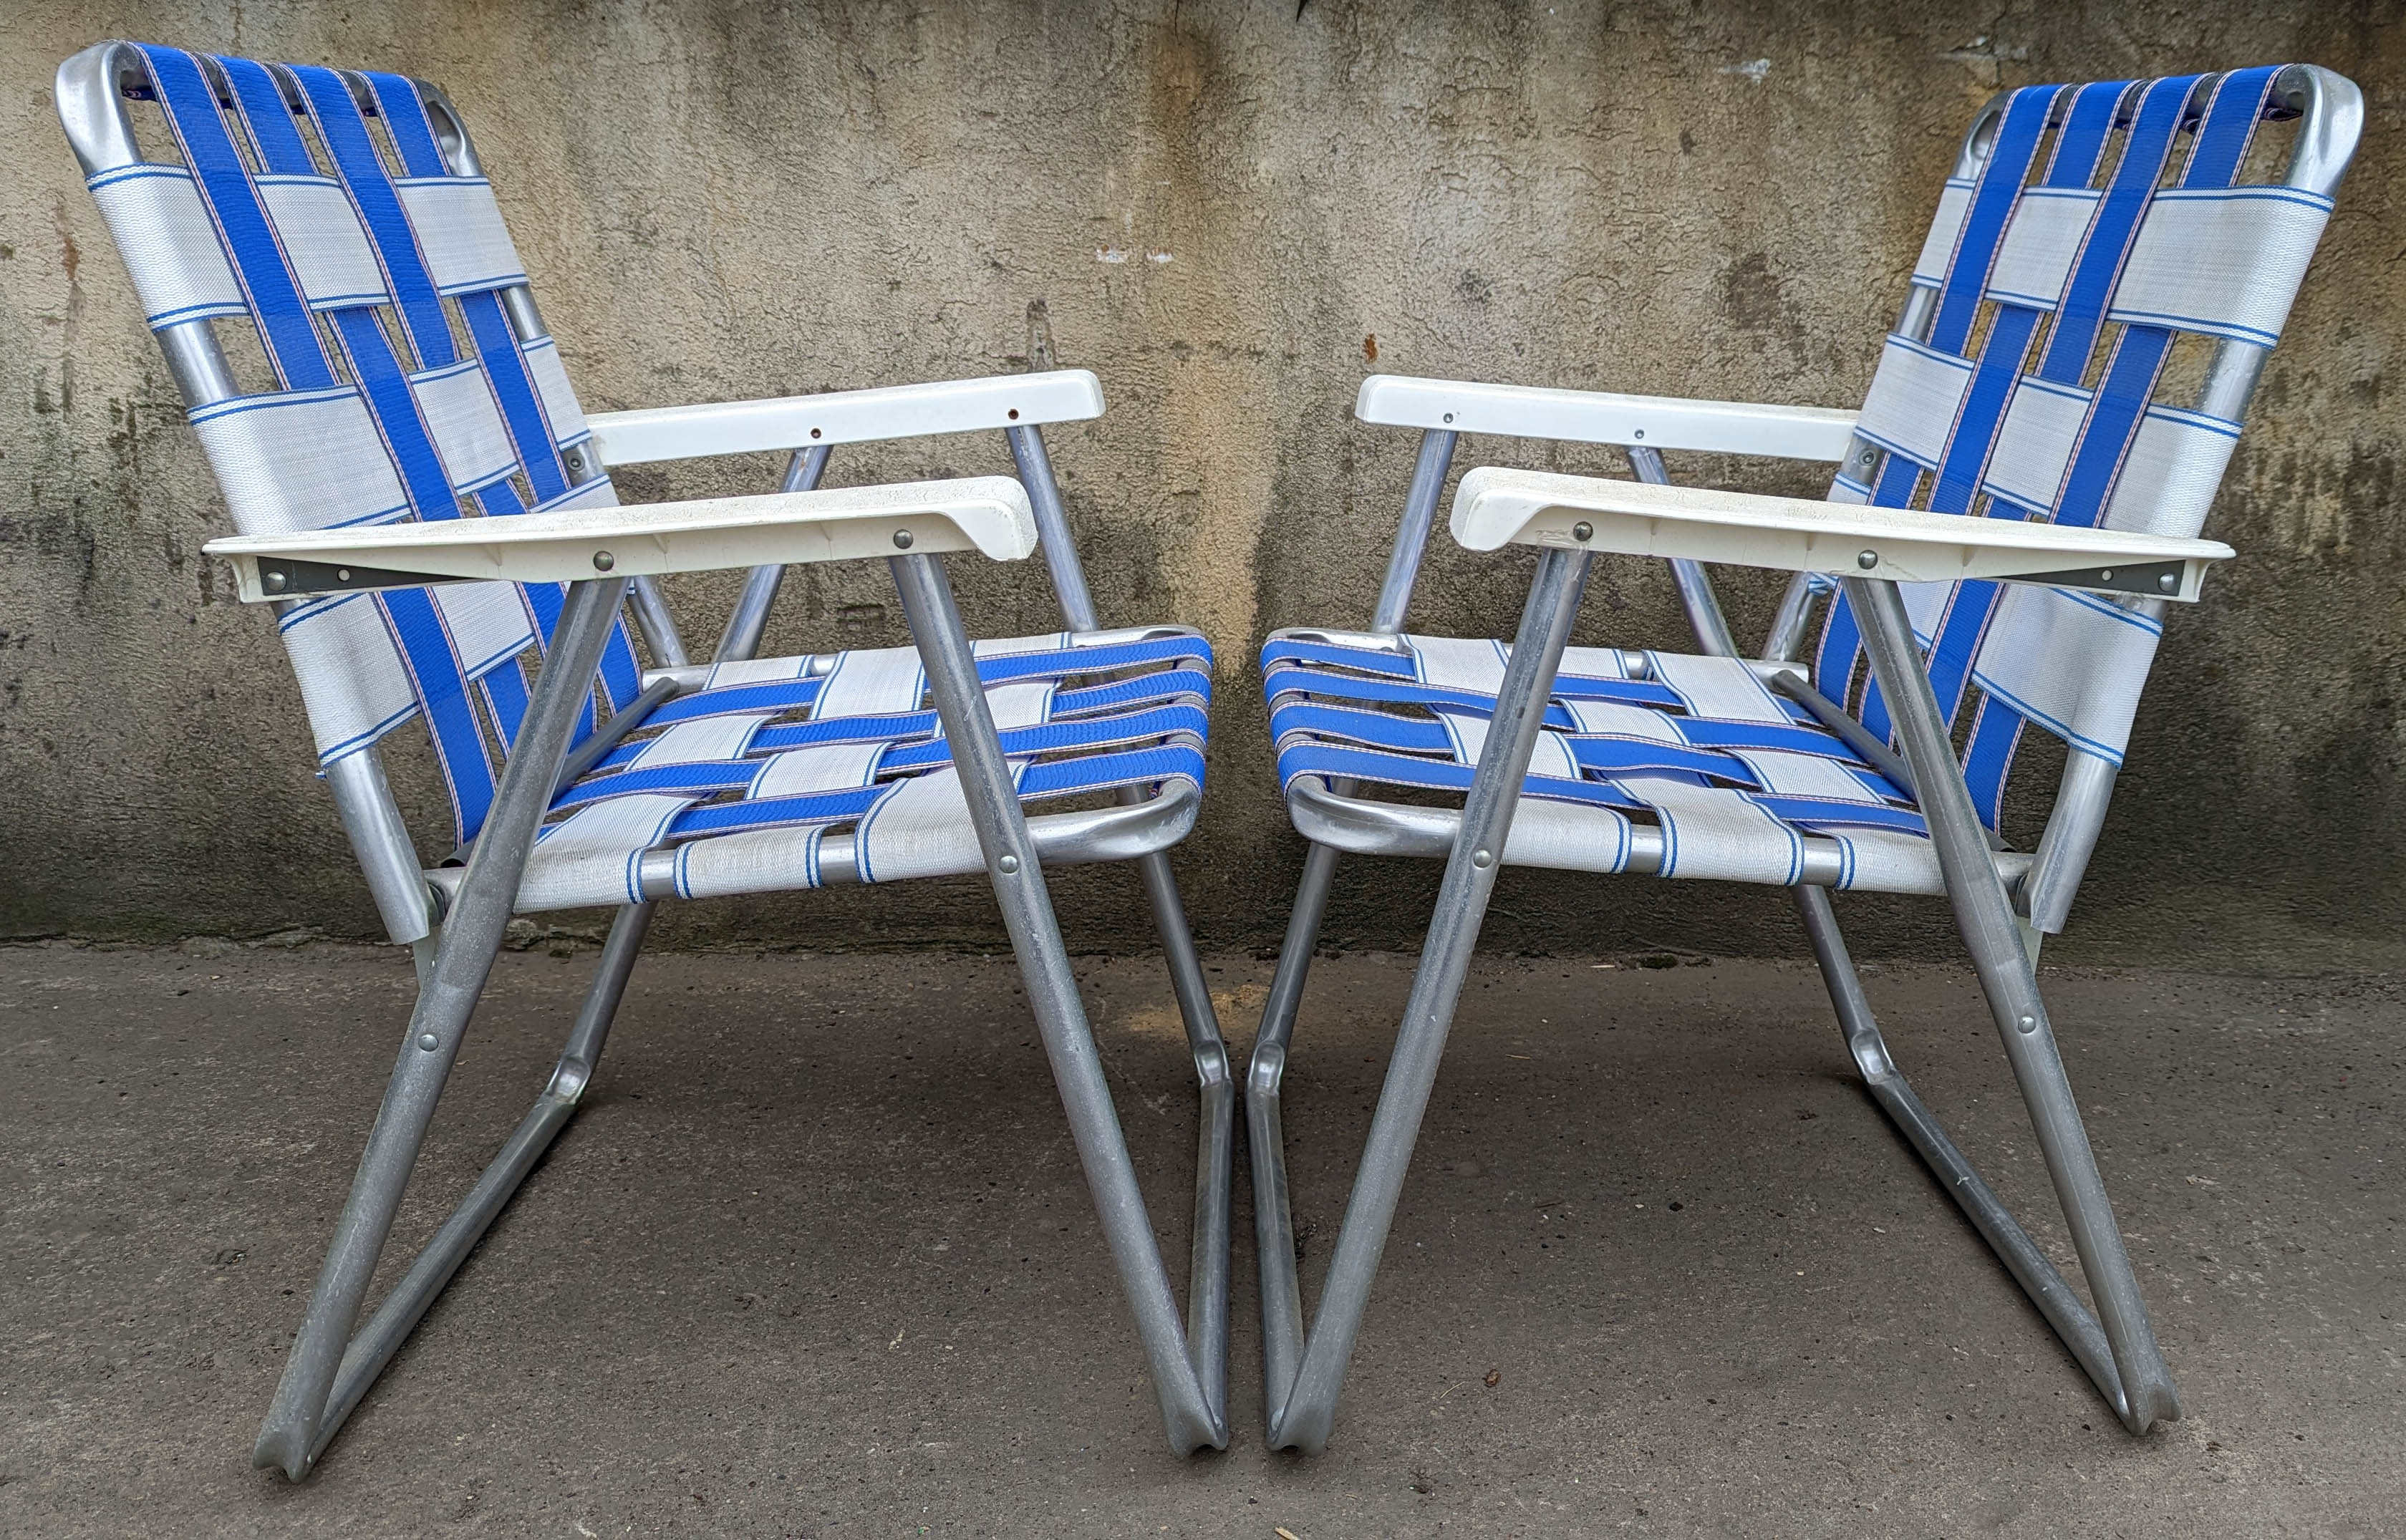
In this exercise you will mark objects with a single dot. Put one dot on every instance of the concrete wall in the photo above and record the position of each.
(1232, 211)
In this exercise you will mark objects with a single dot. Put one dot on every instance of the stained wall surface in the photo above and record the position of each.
(1232, 212)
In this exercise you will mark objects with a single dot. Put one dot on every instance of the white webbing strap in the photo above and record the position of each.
(1911, 407)
(300, 459)
(169, 243)
(461, 232)
(2226, 261)
(456, 402)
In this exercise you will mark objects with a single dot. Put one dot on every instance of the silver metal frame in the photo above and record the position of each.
(2003, 901)
(455, 917)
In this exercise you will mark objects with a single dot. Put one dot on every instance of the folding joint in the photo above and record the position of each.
(569, 1078)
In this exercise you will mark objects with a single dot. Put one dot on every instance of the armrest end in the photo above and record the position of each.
(1496, 506)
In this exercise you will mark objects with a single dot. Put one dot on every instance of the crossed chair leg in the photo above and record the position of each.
(330, 1369)
(1303, 1376)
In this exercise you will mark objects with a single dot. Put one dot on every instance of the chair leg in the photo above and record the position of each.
(1302, 1418)
(463, 958)
(373, 1349)
(1215, 1140)
(1188, 1417)
(2142, 1390)
(1266, 1138)
(1996, 1223)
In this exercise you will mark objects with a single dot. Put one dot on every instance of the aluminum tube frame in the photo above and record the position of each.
(1302, 1412)
(402, 1309)
(470, 939)
(1695, 585)
(740, 643)
(1411, 536)
(1189, 1417)
(1207, 1299)
(2143, 1390)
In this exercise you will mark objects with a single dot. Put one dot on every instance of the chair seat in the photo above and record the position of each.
(1736, 782)
(749, 780)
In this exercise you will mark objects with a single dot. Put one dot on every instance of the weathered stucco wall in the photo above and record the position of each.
(1221, 206)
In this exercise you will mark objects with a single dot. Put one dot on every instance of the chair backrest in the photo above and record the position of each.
(340, 219)
(2090, 313)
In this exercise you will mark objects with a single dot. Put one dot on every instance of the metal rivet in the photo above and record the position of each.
(1582, 531)
(274, 582)
(1008, 864)
(428, 1041)
(1448, 416)
(342, 574)
(2169, 582)
(1638, 434)
(1482, 859)
(604, 561)
(2105, 576)
(2027, 1024)
(1867, 561)
(1866, 458)
(1015, 414)
(901, 540)
(815, 432)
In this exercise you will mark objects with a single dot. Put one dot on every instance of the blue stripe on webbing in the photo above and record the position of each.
(416, 623)
(768, 695)
(1636, 692)
(1714, 732)
(395, 243)
(287, 331)
(698, 776)
(1823, 813)
(1395, 769)
(1291, 650)
(1988, 758)
(1062, 662)
(2138, 358)
(888, 727)
(1637, 756)
(505, 692)
(504, 367)
(1103, 771)
(497, 345)
(1092, 732)
(817, 807)
(442, 691)
(393, 407)
(1164, 686)
(1993, 199)
(1377, 729)
(2113, 227)
(1973, 605)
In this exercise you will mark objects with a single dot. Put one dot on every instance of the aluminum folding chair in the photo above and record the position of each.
(2108, 268)
(412, 430)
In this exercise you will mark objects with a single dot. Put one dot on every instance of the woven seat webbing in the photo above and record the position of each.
(1969, 425)
(314, 259)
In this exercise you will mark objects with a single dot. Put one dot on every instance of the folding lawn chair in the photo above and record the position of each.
(2107, 270)
(335, 230)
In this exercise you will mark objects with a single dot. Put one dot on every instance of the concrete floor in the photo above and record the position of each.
(817, 1258)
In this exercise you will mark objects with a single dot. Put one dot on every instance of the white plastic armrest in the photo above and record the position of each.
(1593, 417)
(846, 416)
(1496, 507)
(984, 513)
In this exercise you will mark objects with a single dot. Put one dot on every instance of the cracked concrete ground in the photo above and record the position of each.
(815, 1258)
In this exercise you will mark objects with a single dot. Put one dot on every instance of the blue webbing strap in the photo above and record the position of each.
(505, 370)
(2219, 147)
(287, 332)
(1972, 604)
(1977, 417)
(290, 335)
